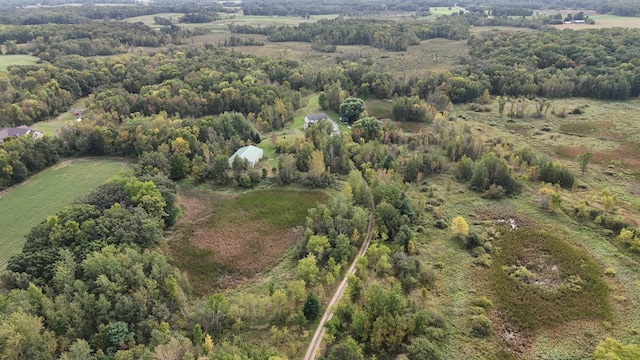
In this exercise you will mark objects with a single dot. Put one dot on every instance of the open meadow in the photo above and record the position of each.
(567, 310)
(8, 60)
(237, 19)
(26, 205)
(227, 239)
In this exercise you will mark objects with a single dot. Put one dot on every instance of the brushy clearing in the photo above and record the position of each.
(542, 282)
(225, 240)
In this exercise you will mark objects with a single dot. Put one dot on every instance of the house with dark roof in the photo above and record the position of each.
(18, 132)
(314, 118)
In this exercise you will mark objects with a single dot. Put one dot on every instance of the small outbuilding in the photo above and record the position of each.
(250, 153)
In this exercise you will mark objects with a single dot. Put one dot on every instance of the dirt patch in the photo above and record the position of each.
(196, 209)
(500, 213)
(626, 153)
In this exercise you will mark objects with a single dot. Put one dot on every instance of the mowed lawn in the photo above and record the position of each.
(8, 60)
(46, 193)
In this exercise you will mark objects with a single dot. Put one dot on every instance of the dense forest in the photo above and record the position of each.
(95, 281)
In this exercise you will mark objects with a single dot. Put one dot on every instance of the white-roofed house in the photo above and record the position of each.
(250, 153)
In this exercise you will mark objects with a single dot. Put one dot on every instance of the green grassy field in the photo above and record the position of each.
(221, 25)
(46, 193)
(8, 60)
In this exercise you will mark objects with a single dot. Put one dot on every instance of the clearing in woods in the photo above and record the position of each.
(225, 239)
(51, 127)
(8, 60)
(26, 205)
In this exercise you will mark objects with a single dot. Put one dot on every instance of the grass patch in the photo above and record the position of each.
(8, 60)
(46, 193)
(225, 240)
(577, 127)
(604, 21)
(381, 109)
(541, 281)
(281, 209)
(238, 19)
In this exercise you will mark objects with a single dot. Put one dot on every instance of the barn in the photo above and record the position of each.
(250, 153)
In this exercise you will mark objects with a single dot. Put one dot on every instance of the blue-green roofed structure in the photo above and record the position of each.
(250, 153)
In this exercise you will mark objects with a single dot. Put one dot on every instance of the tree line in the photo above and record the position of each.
(387, 35)
(307, 8)
(89, 13)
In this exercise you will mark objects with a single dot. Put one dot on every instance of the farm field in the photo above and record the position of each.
(8, 60)
(239, 19)
(226, 239)
(605, 21)
(46, 193)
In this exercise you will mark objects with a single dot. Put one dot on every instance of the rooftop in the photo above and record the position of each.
(319, 116)
(14, 131)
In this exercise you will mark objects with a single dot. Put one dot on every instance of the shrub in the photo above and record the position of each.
(474, 239)
(465, 169)
(482, 301)
(244, 181)
(484, 260)
(441, 224)
(422, 348)
(481, 326)
(611, 272)
(492, 170)
(494, 192)
(555, 173)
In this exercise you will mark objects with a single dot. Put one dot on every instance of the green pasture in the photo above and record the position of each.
(8, 60)
(46, 193)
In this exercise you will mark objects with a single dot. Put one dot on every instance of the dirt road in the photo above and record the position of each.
(316, 341)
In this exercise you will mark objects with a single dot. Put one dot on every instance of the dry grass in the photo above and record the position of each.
(604, 21)
(431, 55)
(225, 240)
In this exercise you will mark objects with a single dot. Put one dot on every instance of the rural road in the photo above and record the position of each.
(316, 341)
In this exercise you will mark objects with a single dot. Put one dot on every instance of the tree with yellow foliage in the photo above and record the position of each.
(459, 227)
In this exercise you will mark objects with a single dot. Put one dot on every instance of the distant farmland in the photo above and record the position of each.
(46, 193)
(8, 60)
